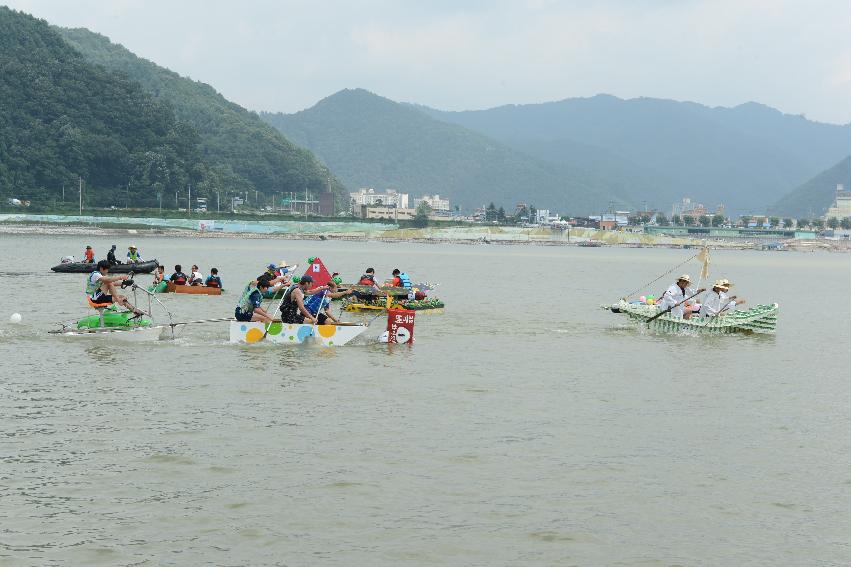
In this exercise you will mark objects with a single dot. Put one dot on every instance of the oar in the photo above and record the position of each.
(269, 326)
(668, 310)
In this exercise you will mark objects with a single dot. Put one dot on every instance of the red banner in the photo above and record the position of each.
(400, 326)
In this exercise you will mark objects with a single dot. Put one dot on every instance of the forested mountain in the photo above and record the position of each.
(372, 141)
(244, 152)
(61, 117)
(816, 195)
(746, 157)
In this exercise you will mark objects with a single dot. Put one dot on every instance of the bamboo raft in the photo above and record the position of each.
(761, 319)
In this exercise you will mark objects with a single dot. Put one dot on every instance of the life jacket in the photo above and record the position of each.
(289, 308)
(317, 302)
(92, 287)
(214, 281)
(133, 256)
(366, 279)
(405, 280)
(245, 304)
(180, 279)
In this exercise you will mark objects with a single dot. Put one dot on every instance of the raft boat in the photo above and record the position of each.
(760, 319)
(285, 333)
(84, 268)
(171, 287)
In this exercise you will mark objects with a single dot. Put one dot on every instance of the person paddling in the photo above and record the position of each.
(213, 280)
(101, 289)
(159, 275)
(178, 277)
(195, 276)
(248, 308)
(675, 297)
(293, 310)
(717, 301)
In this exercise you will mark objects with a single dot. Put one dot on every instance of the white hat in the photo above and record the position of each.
(131, 247)
(685, 278)
(282, 264)
(720, 283)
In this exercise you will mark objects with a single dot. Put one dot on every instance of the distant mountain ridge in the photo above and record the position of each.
(748, 156)
(811, 199)
(373, 141)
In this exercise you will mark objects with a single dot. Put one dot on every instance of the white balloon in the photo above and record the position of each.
(15, 318)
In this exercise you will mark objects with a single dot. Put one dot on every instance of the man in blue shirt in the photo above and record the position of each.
(248, 308)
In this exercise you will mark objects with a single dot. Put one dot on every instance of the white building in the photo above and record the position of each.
(368, 196)
(543, 216)
(841, 205)
(437, 204)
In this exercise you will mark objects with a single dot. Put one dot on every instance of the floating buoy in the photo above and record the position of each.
(15, 318)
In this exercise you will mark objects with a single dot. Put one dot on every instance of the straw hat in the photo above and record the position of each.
(726, 283)
(720, 283)
(131, 247)
(684, 278)
(283, 264)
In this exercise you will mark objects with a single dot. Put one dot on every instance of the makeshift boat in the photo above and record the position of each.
(760, 319)
(111, 318)
(84, 268)
(171, 287)
(292, 334)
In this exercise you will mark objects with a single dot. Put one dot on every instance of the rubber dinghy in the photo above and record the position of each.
(758, 319)
(291, 334)
(84, 268)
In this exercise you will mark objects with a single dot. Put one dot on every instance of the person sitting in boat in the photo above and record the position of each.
(159, 274)
(89, 257)
(717, 302)
(400, 279)
(368, 278)
(195, 276)
(675, 298)
(110, 256)
(178, 277)
(248, 308)
(133, 255)
(319, 304)
(213, 280)
(101, 289)
(293, 310)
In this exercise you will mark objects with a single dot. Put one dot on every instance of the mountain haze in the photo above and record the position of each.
(371, 141)
(816, 195)
(747, 156)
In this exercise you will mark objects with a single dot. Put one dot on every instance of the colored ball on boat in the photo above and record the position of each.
(311, 259)
(296, 279)
(642, 299)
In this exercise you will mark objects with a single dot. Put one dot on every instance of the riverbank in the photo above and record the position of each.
(477, 235)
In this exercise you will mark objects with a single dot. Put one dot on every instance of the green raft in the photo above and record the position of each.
(113, 319)
(760, 319)
(159, 288)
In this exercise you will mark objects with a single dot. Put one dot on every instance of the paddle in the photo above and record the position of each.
(668, 310)
(269, 326)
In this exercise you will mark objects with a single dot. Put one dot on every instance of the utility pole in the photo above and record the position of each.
(218, 202)
(81, 195)
(63, 193)
(189, 202)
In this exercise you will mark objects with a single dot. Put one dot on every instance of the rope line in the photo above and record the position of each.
(648, 284)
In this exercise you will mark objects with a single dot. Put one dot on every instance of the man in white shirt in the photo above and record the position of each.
(675, 296)
(195, 276)
(718, 302)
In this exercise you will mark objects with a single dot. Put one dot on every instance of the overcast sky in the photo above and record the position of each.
(283, 55)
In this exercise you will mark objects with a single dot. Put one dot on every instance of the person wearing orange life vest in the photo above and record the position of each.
(213, 280)
(89, 255)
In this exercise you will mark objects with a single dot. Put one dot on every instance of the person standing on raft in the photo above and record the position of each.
(101, 289)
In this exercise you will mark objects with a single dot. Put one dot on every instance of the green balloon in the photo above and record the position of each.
(311, 259)
(296, 279)
(338, 280)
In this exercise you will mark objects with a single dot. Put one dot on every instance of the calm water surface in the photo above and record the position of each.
(525, 427)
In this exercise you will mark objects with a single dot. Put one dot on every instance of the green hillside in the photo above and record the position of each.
(370, 141)
(62, 117)
(243, 151)
(816, 195)
(746, 156)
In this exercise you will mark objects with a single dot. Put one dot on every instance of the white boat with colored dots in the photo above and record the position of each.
(292, 334)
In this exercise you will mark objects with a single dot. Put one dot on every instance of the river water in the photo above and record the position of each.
(526, 426)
